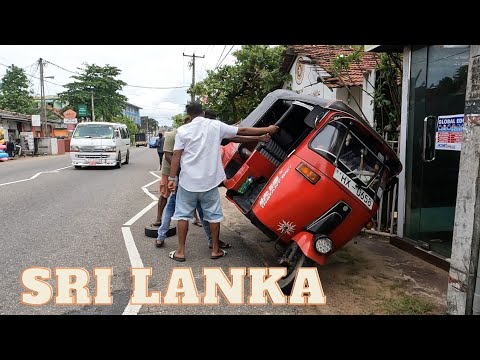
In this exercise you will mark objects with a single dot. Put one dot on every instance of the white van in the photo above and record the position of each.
(100, 144)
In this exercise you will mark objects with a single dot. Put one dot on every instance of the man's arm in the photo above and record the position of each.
(272, 129)
(168, 156)
(174, 167)
(247, 139)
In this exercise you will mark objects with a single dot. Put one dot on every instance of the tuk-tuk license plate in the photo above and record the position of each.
(353, 188)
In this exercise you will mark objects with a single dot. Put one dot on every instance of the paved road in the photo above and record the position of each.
(74, 218)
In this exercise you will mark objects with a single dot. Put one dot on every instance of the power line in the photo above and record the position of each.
(205, 62)
(50, 82)
(70, 71)
(135, 86)
(30, 83)
(224, 47)
(226, 55)
(157, 87)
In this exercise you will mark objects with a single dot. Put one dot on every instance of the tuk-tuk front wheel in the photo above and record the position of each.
(293, 258)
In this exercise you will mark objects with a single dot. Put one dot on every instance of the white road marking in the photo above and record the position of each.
(140, 214)
(151, 172)
(35, 176)
(132, 250)
(133, 254)
(150, 194)
(136, 262)
(151, 183)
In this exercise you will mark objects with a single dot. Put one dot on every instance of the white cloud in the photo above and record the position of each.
(143, 65)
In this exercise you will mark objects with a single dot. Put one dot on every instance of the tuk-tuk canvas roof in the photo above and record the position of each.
(338, 105)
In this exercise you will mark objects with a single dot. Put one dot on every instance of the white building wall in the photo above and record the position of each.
(351, 98)
(305, 81)
(367, 104)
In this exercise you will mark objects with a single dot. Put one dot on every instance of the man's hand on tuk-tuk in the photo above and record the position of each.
(272, 129)
(265, 137)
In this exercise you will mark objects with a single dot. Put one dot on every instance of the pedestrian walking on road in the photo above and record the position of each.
(159, 145)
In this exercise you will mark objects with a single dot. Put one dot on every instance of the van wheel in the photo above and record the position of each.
(293, 259)
(119, 161)
(127, 158)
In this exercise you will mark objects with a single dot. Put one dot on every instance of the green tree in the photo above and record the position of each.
(233, 91)
(177, 120)
(14, 94)
(132, 127)
(150, 124)
(386, 95)
(107, 100)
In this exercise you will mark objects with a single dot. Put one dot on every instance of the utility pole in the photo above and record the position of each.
(192, 65)
(93, 109)
(463, 296)
(42, 99)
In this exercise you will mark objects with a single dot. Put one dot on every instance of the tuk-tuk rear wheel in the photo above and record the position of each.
(296, 259)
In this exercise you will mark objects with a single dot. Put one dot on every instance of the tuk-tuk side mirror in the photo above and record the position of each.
(429, 134)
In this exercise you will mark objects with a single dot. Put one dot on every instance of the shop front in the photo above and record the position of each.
(433, 105)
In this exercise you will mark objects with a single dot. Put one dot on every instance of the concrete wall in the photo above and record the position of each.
(352, 98)
(402, 185)
(367, 105)
(463, 295)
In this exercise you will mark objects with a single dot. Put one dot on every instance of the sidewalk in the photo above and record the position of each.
(30, 157)
(367, 276)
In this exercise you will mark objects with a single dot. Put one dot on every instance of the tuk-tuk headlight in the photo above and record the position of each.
(323, 244)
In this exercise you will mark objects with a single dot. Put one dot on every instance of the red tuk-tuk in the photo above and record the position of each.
(316, 184)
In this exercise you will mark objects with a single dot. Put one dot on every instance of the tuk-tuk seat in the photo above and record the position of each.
(273, 152)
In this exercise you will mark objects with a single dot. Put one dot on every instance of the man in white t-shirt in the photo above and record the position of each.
(196, 151)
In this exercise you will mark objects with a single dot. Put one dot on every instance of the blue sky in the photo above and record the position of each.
(141, 65)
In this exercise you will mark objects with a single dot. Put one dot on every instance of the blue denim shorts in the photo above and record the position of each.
(187, 202)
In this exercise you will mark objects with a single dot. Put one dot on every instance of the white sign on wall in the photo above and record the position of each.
(36, 120)
(449, 134)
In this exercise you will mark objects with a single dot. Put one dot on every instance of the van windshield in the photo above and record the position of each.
(94, 131)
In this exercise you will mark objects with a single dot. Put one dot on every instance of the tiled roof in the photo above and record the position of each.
(13, 115)
(322, 55)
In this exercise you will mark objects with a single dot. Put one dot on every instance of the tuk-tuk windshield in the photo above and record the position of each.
(344, 143)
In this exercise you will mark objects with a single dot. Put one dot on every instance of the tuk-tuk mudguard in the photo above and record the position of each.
(304, 239)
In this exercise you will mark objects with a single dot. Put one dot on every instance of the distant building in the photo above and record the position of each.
(14, 123)
(51, 101)
(133, 112)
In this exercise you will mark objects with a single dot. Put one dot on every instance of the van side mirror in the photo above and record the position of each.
(117, 133)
